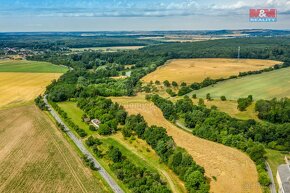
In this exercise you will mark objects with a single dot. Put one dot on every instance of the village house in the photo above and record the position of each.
(96, 122)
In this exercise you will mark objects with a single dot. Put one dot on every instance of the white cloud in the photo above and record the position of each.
(128, 8)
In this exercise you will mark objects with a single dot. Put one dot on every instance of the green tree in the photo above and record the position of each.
(114, 154)
(223, 98)
(104, 129)
(174, 84)
(166, 83)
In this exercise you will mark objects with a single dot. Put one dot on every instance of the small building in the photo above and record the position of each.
(87, 120)
(96, 122)
(283, 177)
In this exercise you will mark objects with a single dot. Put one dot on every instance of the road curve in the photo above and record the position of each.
(115, 187)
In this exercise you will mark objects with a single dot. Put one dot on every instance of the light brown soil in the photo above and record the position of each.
(35, 157)
(196, 70)
(234, 170)
(18, 88)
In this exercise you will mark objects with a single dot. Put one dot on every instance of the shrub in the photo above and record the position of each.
(223, 98)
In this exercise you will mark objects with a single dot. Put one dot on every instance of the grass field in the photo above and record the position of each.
(230, 107)
(235, 171)
(262, 86)
(18, 88)
(30, 66)
(75, 114)
(196, 70)
(35, 157)
(135, 150)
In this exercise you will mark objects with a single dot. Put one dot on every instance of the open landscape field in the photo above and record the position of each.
(196, 70)
(138, 151)
(22, 81)
(35, 157)
(267, 85)
(18, 88)
(234, 170)
(30, 66)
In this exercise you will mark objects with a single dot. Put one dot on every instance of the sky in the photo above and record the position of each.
(136, 15)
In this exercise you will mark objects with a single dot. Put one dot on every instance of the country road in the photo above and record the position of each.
(272, 185)
(115, 187)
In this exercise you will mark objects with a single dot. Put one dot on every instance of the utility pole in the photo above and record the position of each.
(239, 52)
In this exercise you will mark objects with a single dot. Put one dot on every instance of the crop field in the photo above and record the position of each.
(30, 66)
(262, 86)
(234, 170)
(18, 88)
(196, 70)
(35, 157)
(138, 151)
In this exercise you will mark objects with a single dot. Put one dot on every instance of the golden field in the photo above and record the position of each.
(35, 157)
(19, 88)
(234, 170)
(196, 70)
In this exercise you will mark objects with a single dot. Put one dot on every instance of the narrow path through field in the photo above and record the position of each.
(234, 170)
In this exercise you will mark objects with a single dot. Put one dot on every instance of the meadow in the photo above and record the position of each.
(35, 157)
(30, 66)
(196, 70)
(267, 85)
(234, 171)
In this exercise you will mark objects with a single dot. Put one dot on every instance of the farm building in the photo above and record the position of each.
(283, 177)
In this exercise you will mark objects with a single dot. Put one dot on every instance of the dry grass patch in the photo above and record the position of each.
(196, 70)
(234, 170)
(18, 88)
(34, 156)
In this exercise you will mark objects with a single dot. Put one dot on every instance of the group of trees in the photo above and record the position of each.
(243, 103)
(136, 178)
(176, 158)
(40, 103)
(249, 136)
(275, 111)
(110, 114)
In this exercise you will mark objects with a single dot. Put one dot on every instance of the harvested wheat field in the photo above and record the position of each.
(18, 88)
(34, 156)
(196, 70)
(234, 170)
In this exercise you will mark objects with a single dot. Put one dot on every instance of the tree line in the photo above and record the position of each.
(275, 110)
(249, 136)
(173, 156)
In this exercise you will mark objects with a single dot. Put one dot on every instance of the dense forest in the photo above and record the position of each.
(56, 42)
(275, 111)
(173, 156)
(249, 136)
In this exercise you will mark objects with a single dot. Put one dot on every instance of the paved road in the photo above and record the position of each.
(115, 187)
(272, 185)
